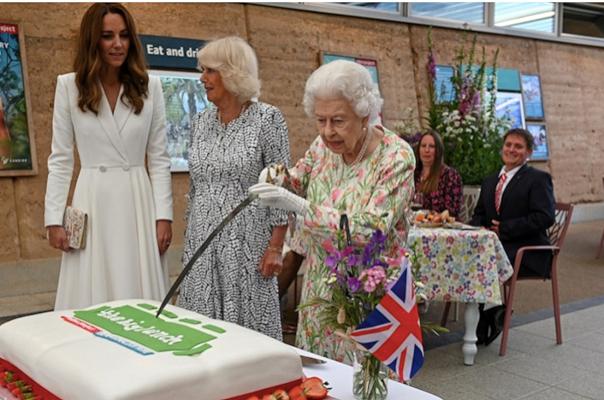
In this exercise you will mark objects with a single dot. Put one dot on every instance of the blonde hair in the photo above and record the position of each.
(237, 64)
(345, 79)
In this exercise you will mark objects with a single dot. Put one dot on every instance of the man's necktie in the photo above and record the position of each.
(499, 191)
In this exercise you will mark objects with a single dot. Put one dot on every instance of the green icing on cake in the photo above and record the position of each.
(213, 328)
(189, 321)
(156, 334)
(168, 314)
(194, 351)
(147, 306)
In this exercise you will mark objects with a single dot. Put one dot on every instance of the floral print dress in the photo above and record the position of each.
(224, 161)
(374, 194)
(448, 195)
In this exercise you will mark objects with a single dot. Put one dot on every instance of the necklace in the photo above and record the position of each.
(235, 117)
(363, 149)
(359, 156)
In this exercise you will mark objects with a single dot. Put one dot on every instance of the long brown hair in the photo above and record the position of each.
(88, 63)
(431, 183)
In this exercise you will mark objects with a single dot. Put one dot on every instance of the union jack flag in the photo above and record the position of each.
(392, 332)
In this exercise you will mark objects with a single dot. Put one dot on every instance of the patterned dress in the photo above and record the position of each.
(448, 195)
(374, 193)
(224, 162)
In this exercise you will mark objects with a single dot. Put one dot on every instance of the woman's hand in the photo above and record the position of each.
(271, 263)
(164, 235)
(57, 237)
(278, 197)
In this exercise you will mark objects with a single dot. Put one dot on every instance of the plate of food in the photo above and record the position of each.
(432, 219)
(460, 226)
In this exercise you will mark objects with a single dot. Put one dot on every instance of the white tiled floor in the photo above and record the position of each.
(535, 367)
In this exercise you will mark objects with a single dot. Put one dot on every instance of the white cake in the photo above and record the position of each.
(76, 354)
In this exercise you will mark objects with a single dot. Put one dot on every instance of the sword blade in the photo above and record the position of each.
(202, 248)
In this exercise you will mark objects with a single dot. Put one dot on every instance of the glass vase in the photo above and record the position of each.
(370, 377)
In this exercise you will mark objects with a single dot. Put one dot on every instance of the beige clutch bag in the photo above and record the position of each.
(74, 222)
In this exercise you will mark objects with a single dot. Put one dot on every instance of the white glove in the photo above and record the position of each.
(278, 197)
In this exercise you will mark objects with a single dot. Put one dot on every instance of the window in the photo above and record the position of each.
(582, 19)
(531, 16)
(390, 7)
(577, 23)
(465, 12)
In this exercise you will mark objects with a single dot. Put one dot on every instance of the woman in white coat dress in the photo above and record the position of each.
(113, 113)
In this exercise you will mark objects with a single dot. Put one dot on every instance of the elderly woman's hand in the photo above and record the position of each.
(271, 263)
(278, 197)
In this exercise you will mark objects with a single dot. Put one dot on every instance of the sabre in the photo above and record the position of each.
(202, 248)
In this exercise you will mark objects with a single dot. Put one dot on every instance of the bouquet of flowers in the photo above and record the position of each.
(468, 122)
(360, 277)
(407, 128)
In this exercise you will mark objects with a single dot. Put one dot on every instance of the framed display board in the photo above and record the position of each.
(17, 146)
(368, 63)
(540, 148)
(184, 96)
(531, 94)
(443, 87)
(509, 105)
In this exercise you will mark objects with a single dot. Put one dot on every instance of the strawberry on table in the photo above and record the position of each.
(297, 393)
(314, 389)
(281, 394)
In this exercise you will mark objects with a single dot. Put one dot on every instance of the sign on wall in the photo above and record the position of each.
(164, 52)
(531, 92)
(368, 63)
(17, 150)
(508, 105)
(540, 149)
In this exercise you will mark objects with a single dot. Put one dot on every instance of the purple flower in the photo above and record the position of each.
(354, 284)
(353, 260)
(332, 261)
(431, 66)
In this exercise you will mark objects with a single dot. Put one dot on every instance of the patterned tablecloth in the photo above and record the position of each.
(460, 265)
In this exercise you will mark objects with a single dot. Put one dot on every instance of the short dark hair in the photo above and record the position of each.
(526, 135)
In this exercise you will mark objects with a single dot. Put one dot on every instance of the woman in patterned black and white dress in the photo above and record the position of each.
(231, 143)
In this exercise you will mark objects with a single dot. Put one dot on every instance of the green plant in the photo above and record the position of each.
(468, 122)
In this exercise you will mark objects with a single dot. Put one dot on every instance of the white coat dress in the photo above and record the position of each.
(121, 258)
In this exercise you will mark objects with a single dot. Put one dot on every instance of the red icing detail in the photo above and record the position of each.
(81, 324)
(40, 392)
(269, 390)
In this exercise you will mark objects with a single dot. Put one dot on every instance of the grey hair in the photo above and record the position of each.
(237, 64)
(348, 80)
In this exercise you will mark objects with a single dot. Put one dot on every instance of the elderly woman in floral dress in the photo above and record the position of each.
(354, 167)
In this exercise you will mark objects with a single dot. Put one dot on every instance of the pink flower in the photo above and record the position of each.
(336, 194)
(373, 277)
(379, 200)
(328, 246)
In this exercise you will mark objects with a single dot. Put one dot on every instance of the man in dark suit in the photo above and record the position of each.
(518, 204)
